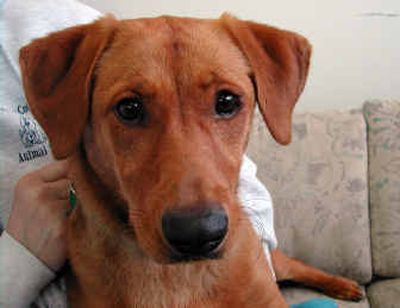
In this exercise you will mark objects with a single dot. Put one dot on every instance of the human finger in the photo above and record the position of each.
(59, 189)
(54, 171)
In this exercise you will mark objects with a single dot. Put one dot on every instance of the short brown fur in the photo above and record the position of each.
(126, 177)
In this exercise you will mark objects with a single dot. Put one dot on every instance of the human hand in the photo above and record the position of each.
(38, 218)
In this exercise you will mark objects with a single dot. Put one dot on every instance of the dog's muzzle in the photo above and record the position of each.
(196, 232)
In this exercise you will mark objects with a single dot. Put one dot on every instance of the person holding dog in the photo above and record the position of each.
(34, 188)
(36, 194)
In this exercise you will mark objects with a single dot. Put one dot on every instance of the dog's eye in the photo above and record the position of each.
(227, 104)
(131, 110)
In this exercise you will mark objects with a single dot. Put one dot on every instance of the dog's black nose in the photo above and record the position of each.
(195, 232)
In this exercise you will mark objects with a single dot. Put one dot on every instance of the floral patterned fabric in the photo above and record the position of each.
(385, 294)
(319, 187)
(383, 120)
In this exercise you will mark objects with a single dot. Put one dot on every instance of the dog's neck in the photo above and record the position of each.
(90, 184)
(113, 265)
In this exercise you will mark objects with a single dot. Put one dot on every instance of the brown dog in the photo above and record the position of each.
(154, 116)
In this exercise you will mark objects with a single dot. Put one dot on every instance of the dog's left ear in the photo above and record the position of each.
(279, 61)
(56, 74)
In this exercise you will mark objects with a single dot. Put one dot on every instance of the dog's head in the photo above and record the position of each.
(161, 110)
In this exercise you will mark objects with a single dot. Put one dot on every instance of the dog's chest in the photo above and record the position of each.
(134, 281)
(171, 285)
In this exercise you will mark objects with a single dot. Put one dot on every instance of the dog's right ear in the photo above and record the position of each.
(56, 74)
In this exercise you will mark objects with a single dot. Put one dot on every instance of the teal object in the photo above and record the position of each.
(317, 303)
(72, 197)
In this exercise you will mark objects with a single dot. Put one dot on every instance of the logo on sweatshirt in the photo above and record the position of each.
(30, 133)
(31, 136)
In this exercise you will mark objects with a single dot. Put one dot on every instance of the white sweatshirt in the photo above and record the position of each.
(24, 147)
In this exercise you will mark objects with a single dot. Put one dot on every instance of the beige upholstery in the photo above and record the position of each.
(319, 187)
(385, 294)
(384, 168)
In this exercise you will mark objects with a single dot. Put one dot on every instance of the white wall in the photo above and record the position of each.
(356, 44)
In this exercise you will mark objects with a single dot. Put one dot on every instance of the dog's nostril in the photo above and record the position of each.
(195, 231)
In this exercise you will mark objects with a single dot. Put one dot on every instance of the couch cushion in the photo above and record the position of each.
(384, 294)
(319, 187)
(294, 295)
(383, 120)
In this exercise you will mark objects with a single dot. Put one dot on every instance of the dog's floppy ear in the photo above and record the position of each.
(56, 74)
(279, 61)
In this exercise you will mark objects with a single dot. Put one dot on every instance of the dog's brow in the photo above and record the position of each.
(212, 78)
(207, 80)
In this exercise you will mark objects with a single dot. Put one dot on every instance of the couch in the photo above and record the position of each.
(336, 193)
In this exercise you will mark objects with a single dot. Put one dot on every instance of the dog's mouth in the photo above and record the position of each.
(176, 257)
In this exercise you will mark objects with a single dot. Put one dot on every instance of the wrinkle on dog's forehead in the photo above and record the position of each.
(171, 53)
